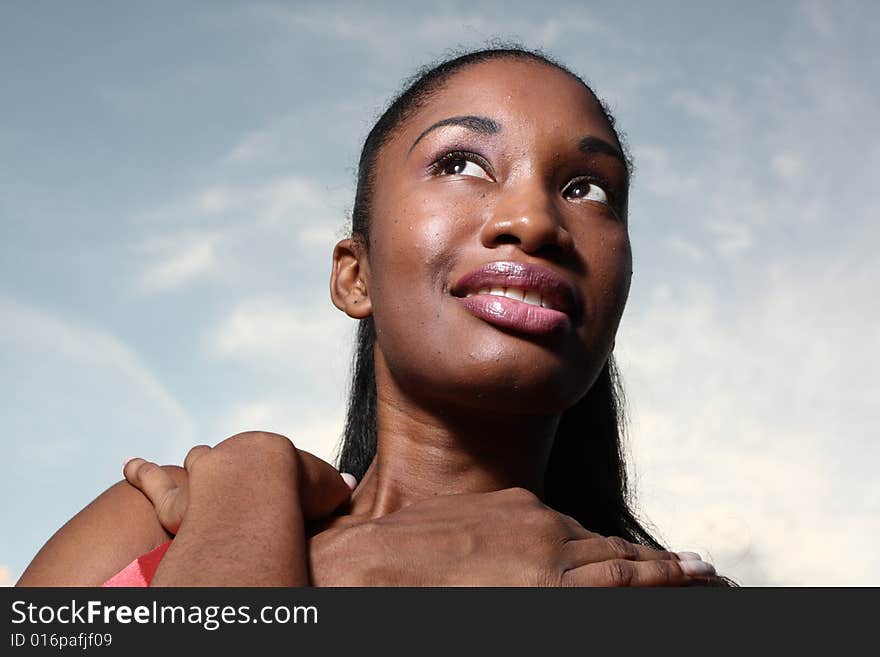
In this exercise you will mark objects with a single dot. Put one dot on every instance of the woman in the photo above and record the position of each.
(489, 266)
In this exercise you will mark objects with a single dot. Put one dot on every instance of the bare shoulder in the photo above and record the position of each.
(116, 528)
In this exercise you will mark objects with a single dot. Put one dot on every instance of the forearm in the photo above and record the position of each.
(96, 543)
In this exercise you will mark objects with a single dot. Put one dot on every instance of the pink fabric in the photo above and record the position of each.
(140, 571)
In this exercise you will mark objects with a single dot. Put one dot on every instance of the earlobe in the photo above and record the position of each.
(348, 280)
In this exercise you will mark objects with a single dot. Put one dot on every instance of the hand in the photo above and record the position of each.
(167, 487)
(243, 523)
(503, 538)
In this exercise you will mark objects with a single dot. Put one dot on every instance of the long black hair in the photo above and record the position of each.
(586, 474)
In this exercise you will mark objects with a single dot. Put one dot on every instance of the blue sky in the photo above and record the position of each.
(173, 178)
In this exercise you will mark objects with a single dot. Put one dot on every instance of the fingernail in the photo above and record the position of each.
(349, 479)
(129, 458)
(688, 556)
(697, 567)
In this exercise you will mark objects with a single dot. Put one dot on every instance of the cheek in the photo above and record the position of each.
(414, 248)
(609, 272)
(619, 265)
(408, 279)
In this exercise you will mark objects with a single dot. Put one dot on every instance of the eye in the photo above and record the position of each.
(461, 164)
(584, 188)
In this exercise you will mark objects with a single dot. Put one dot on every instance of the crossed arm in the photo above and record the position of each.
(242, 505)
(243, 499)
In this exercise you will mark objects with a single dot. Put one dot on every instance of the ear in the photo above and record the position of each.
(348, 280)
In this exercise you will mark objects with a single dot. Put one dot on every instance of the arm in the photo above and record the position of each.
(245, 501)
(100, 540)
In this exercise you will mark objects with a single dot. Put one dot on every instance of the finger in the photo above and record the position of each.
(150, 479)
(601, 548)
(161, 489)
(624, 572)
(194, 455)
(321, 488)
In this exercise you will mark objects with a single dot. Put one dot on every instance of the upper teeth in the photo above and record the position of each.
(531, 297)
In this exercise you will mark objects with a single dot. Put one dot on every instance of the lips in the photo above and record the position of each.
(519, 296)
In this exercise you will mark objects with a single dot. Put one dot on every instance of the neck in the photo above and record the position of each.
(423, 453)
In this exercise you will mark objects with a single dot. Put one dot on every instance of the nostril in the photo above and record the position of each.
(507, 239)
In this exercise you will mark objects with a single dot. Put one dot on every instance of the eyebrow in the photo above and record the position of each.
(486, 126)
(482, 124)
(592, 144)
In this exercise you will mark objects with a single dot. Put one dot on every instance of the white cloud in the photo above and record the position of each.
(77, 401)
(750, 376)
(788, 166)
(253, 229)
(33, 337)
(290, 198)
(340, 23)
(274, 330)
(684, 248)
(179, 264)
(300, 355)
(732, 238)
(254, 147)
(817, 18)
(660, 174)
(751, 422)
(317, 433)
(436, 28)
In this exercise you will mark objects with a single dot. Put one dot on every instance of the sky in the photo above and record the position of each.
(173, 177)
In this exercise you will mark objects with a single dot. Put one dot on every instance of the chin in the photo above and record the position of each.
(513, 391)
(507, 374)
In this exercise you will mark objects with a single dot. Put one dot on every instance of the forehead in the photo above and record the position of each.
(521, 95)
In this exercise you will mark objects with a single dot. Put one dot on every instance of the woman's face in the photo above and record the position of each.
(499, 260)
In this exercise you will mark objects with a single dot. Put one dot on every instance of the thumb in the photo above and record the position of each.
(322, 489)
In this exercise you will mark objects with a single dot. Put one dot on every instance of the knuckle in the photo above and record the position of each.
(260, 441)
(554, 577)
(260, 437)
(621, 548)
(194, 455)
(521, 495)
(620, 572)
(665, 555)
(568, 528)
(195, 451)
(567, 521)
(551, 522)
(147, 471)
(664, 572)
(539, 520)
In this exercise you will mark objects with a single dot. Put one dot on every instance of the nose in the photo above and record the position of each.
(527, 218)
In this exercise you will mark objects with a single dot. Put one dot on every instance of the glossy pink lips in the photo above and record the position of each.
(515, 315)
(560, 298)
